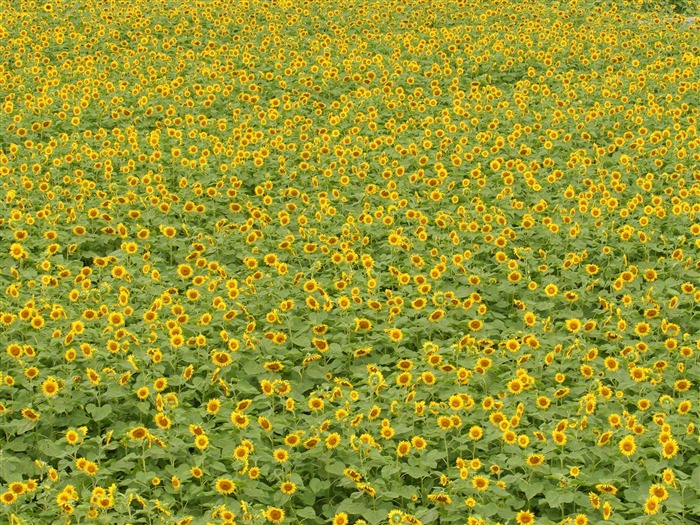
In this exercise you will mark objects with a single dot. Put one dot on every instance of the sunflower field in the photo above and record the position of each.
(357, 262)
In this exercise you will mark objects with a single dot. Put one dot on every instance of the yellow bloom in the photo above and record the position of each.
(628, 446)
(280, 455)
(525, 517)
(274, 515)
(225, 486)
(480, 483)
(288, 487)
(670, 449)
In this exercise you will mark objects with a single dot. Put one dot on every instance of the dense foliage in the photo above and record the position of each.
(348, 262)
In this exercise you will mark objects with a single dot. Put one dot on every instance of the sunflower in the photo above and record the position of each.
(442, 498)
(684, 407)
(515, 386)
(281, 455)
(418, 442)
(628, 446)
(475, 325)
(480, 483)
(340, 519)
(642, 329)
(658, 491)
(138, 433)
(559, 438)
(395, 517)
(221, 359)
(669, 477)
(551, 290)
(332, 441)
(17, 487)
(604, 438)
(162, 421)
(291, 440)
(419, 304)
(638, 373)
(8, 498)
(241, 453)
(352, 474)
(90, 468)
(363, 325)
(274, 515)
(30, 414)
(316, 404)
(581, 519)
(525, 517)
(543, 402)
(403, 448)
(573, 325)
(509, 437)
(273, 366)
(535, 460)
(240, 420)
(652, 505)
(395, 334)
(288, 488)
(143, 392)
(72, 437)
(213, 406)
(670, 449)
(682, 385)
(606, 488)
(436, 316)
(428, 378)
(201, 442)
(225, 486)
(387, 432)
(476, 433)
(361, 352)
(444, 423)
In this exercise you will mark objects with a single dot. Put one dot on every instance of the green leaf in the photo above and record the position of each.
(653, 467)
(23, 426)
(351, 506)
(306, 512)
(414, 472)
(695, 479)
(336, 468)
(16, 445)
(489, 509)
(390, 470)
(316, 485)
(532, 489)
(50, 448)
(555, 498)
(374, 517)
(98, 413)
(428, 516)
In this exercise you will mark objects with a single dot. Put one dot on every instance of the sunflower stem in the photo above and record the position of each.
(447, 452)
